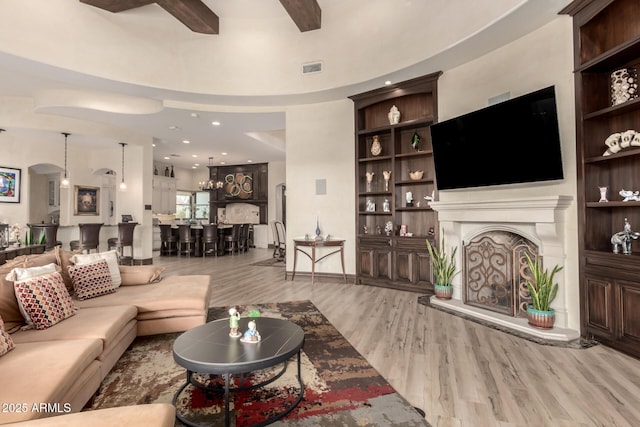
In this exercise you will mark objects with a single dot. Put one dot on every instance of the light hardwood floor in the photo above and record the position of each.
(461, 373)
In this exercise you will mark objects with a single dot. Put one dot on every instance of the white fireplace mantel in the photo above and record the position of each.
(539, 219)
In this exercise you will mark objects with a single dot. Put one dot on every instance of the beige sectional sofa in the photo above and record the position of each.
(61, 367)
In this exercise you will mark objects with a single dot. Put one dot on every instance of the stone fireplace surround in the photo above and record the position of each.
(539, 219)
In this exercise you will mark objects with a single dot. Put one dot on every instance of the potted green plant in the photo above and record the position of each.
(444, 268)
(543, 291)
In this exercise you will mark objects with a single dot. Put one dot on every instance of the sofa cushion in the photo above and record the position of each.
(6, 343)
(152, 414)
(57, 365)
(91, 280)
(9, 308)
(44, 300)
(111, 257)
(63, 259)
(140, 274)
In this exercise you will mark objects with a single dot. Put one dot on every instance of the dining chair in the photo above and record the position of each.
(124, 239)
(243, 239)
(89, 237)
(232, 240)
(50, 232)
(280, 251)
(209, 239)
(168, 240)
(186, 242)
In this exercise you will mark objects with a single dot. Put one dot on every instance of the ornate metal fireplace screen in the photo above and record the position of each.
(495, 272)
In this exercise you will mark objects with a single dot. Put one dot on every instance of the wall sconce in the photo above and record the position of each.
(123, 185)
(65, 180)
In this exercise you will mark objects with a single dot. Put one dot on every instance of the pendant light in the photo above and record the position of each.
(65, 180)
(123, 185)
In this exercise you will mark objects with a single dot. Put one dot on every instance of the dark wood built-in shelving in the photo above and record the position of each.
(395, 261)
(606, 38)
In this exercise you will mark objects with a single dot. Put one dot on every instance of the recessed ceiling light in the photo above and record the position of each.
(223, 163)
(185, 141)
(215, 123)
(173, 127)
(194, 167)
(249, 161)
(196, 164)
(195, 115)
(167, 157)
(194, 155)
(224, 154)
(388, 82)
(153, 144)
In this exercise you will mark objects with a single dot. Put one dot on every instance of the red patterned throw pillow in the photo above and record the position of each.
(44, 300)
(6, 343)
(91, 280)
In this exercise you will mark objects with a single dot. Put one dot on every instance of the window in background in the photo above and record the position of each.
(183, 204)
(202, 205)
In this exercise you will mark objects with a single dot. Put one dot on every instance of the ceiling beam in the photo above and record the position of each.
(305, 13)
(192, 13)
(116, 6)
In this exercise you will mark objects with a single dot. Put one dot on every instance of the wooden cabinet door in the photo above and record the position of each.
(599, 307)
(629, 315)
(374, 259)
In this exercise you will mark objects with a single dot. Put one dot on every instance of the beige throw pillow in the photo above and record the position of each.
(140, 274)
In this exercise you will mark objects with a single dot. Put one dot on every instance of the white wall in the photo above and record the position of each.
(320, 145)
(540, 59)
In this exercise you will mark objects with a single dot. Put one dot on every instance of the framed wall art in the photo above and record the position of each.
(10, 184)
(86, 200)
(238, 186)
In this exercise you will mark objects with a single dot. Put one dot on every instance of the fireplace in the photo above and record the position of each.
(506, 229)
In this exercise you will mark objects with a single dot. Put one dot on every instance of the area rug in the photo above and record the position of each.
(579, 343)
(341, 388)
(271, 262)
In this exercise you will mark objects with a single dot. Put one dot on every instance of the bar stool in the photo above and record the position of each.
(50, 232)
(124, 239)
(186, 242)
(89, 237)
(168, 240)
(232, 241)
(209, 239)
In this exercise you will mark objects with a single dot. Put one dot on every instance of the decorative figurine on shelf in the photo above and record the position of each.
(369, 176)
(173, 175)
(234, 319)
(251, 335)
(430, 198)
(394, 115)
(415, 141)
(376, 147)
(385, 206)
(371, 207)
(629, 196)
(378, 230)
(387, 176)
(624, 85)
(603, 194)
(409, 199)
(388, 228)
(622, 239)
(365, 229)
(166, 171)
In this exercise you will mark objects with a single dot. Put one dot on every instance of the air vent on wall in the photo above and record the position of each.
(312, 67)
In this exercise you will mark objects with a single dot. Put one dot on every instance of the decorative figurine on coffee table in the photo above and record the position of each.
(251, 335)
(234, 318)
(622, 239)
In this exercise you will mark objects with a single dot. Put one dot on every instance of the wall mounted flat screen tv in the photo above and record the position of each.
(515, 141)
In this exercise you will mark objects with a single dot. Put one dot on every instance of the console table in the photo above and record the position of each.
(298, 244)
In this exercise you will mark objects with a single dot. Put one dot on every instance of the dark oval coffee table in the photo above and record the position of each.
(208, 349)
